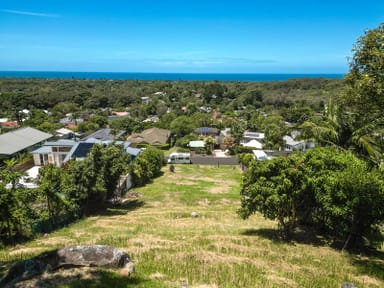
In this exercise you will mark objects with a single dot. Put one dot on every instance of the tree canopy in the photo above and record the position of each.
(331, 191)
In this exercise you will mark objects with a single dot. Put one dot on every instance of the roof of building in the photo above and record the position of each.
(254, 144)
(42, 150)
(10, 124)
(79, 151)
(291, 142)
(260, 154)
(97, 141)
(64, 131)
(133, 151)
(61, 142)
(196, 144)
(120, 114)
(46, 148)
(104, 134)
(254, 135)
(207, 131)
(152, 136)
(20, 139)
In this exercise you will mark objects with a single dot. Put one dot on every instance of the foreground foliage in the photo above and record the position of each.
(329, 190)
(64, 194)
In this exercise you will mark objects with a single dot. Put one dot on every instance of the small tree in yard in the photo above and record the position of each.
(147, 165)
(84, 182)
(15, 210)
(275, 189)
(116, 164)
(50, 188)
(349, 201)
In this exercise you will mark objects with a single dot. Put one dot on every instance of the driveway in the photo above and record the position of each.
(211, 160)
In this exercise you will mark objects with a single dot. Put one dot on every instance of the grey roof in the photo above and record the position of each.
(207, 131)
(104, 135)
(20, 139)
(42, 150)
(133, 151)
(61, 142)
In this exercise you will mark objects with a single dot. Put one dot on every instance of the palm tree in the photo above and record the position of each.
(343, 130)
(210, 143)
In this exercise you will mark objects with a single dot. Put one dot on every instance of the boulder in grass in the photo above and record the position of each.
(67, 257)
(92, 255)
(194, 214)
(348, 285)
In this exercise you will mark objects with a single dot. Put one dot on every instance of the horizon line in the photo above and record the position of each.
(149, 72)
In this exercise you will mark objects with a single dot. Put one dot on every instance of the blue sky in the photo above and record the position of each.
(210, 36)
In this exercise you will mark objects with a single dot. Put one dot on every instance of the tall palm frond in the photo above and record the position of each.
(368, 141)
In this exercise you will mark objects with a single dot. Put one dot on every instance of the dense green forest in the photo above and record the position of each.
(73, 95)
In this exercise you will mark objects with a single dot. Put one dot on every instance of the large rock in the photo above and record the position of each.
(94, 255)
(348, 285)
(72, 256)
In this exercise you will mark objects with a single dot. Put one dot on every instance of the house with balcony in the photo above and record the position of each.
(53, 152)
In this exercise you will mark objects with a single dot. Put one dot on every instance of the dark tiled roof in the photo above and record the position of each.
(104, 135)
(207, 131)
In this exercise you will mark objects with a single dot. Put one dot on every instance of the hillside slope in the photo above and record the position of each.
(214, 249)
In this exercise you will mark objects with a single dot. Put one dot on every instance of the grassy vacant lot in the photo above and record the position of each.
(215, 249)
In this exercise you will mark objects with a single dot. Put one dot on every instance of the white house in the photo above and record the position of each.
(196, 144)
(248, 135)
(253, 144)
(293, 145)
(52, 152)
(260, 155)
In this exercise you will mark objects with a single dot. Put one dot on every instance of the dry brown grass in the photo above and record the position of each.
(212, 250)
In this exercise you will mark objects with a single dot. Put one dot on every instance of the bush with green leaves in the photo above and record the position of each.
(147, 165)
(330, 190)
(16, 212)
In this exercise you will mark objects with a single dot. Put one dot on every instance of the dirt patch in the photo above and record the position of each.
(205, 286)
(225, 201)
(218, 190)
(206, 257)
(204, 202)
(131, 195)
(156, 204)
(59, 277)
(366, 280)
(147, 243)
(234, 247)
(185, 183)
(284, 282)
(156, 275)
(26, 250)
(211, 257)
(62, 241)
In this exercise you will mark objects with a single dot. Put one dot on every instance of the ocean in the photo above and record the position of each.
(238, 77)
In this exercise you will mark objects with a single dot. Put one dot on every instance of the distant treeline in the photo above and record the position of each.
(23, 93)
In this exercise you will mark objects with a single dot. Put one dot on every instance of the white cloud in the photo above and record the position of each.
(29, 13)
